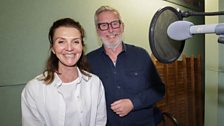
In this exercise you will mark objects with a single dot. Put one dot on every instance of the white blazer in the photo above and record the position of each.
(43, 105)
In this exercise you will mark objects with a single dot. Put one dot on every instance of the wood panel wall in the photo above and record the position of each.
(184, 90)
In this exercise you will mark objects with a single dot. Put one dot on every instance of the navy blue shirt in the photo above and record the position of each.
(134, 77)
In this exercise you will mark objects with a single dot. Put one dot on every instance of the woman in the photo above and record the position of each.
(65, 94)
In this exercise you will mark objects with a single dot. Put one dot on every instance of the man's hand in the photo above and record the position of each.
(122, 107)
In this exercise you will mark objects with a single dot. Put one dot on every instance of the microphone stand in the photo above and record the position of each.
(185, 14)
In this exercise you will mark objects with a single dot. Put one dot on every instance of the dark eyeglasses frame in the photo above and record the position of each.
(119, 21)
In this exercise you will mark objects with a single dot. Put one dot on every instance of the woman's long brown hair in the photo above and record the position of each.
(52, 62)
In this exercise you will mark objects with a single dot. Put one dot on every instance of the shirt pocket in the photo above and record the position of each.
(135, 80)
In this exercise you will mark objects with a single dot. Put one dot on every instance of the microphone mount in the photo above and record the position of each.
(186, 14)
(221, 39)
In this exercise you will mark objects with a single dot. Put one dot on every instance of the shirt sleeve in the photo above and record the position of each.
(30, 114)
(154, 92)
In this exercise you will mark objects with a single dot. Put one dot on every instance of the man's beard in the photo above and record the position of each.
(113, 44)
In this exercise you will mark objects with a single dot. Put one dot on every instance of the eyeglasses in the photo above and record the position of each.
(113, 24)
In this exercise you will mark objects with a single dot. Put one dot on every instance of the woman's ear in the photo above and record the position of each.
(52, 50)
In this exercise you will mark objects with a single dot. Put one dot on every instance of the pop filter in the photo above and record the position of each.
(167, 34)
(166, 50)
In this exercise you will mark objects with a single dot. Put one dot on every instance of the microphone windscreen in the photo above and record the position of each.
(165, 49)
(179, 30)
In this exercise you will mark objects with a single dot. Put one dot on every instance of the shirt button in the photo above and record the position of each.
(118, 87)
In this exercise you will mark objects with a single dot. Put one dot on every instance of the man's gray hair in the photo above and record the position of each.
(103, 9)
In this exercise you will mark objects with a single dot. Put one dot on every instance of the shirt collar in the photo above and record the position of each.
(57, 81)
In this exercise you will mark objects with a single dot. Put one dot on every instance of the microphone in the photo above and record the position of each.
(182, 30)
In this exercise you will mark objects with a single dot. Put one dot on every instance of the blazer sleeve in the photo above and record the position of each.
(101, 116)
(30, 114)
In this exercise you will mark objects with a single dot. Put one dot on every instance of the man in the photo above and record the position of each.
(132, 84)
